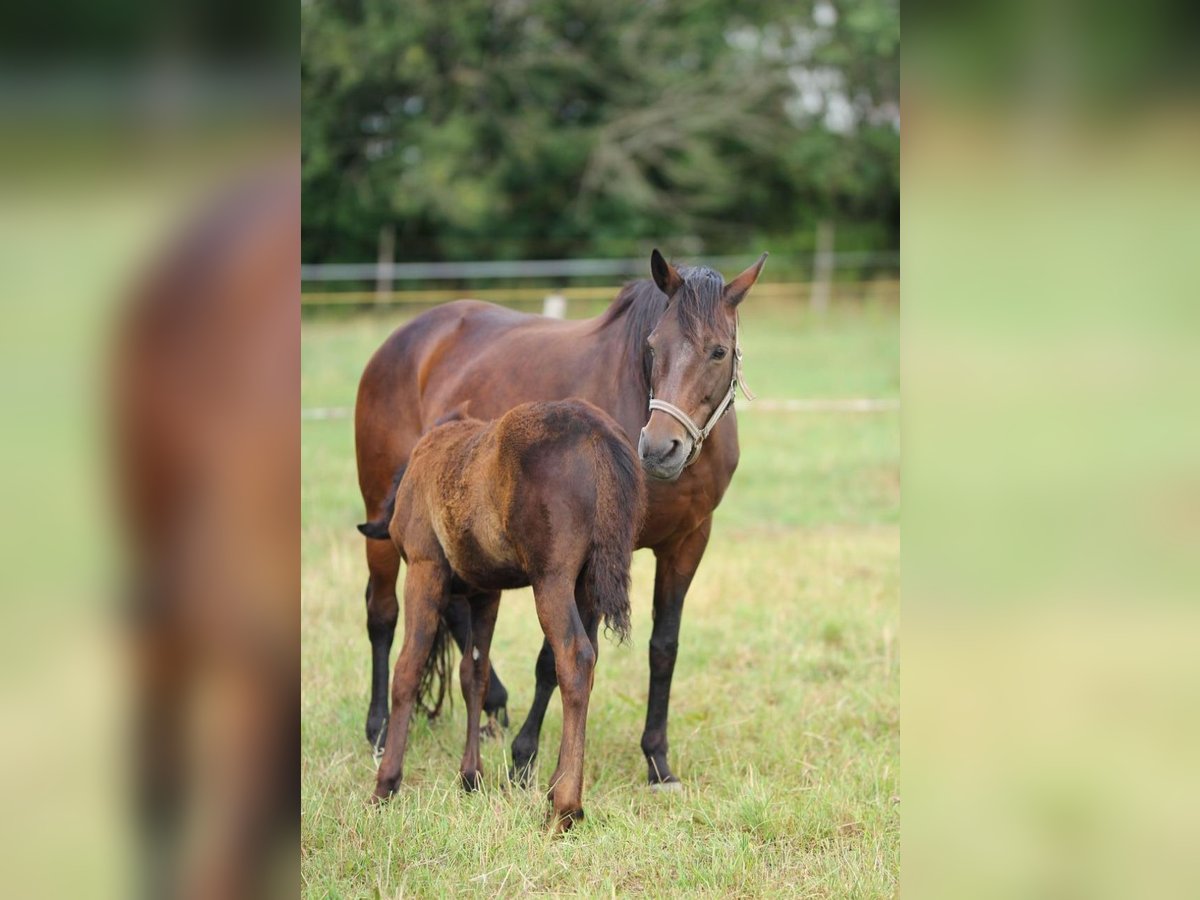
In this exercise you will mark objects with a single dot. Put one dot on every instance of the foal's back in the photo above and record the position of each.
(528, 496)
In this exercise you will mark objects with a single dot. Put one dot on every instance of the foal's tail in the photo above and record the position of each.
(434, 686)
(621, 502)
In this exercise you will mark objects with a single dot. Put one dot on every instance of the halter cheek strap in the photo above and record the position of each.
(698, 435)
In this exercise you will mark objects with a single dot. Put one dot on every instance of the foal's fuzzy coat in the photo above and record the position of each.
(549, 495)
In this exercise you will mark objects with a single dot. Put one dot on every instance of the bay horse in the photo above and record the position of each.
(661, 358)
(550, 495)
(205, 452)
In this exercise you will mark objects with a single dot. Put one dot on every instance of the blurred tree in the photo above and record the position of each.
(545, 128)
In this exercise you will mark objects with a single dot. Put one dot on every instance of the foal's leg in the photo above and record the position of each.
(676, 566)
(575, 661)
(473, 673)
(424, 596)
(495, 702)
(525, 746)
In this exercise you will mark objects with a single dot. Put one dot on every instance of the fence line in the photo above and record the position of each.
(884, 288)
(541, 268)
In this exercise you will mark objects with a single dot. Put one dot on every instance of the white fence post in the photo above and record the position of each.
(555, 306)
(383, 265)
(822, 267)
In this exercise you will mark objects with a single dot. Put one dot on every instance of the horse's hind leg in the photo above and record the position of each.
(474, 673)
(495, 702)
(382, 611)
(425, 592)
(165, 671)
(525, 745)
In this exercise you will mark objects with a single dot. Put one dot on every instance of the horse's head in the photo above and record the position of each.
(694, 362)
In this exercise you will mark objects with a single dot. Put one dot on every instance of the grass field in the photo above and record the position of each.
(785, 706)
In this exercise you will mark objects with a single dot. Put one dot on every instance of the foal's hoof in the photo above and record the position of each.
(562, 822)
(383, 793)
(471, 781)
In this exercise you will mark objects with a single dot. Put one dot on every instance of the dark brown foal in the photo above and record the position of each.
(550, 496)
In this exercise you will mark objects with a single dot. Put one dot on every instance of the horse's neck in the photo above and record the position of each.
(608, 356)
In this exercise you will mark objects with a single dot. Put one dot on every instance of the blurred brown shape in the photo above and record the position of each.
(207, 451)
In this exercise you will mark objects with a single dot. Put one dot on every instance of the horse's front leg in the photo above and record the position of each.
(677, 563)
(525, 745)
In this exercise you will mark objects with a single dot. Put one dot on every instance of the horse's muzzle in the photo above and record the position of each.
(663, 460)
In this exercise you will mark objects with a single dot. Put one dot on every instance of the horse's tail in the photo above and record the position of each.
(377, 529)
(434, 686)
(621, 502)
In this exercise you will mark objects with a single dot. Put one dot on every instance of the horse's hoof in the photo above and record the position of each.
(493, 729)
(376, 731)
(521, 776)
(672, 784)
(471, 781)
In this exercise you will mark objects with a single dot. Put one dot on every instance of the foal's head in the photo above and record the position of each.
(692, 362)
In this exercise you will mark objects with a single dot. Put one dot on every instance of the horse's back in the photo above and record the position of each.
(390, 412)
(419, 341)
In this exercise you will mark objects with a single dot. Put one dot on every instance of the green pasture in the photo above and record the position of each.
(785, 708)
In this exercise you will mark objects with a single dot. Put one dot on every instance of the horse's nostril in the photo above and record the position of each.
(657, 452)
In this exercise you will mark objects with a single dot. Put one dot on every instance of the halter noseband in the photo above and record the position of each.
(698, 435)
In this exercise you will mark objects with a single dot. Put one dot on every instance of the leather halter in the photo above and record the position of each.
(698, 435)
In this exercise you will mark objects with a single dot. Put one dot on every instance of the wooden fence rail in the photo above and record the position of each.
(884, 289)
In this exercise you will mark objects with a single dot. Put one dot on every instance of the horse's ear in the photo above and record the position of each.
(665, 275)
(736, 290)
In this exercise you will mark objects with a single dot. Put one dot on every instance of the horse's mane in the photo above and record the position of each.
(640, 305)
(637, 308)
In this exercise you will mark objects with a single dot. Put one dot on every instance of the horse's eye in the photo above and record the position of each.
(719, 353)
(650, 349)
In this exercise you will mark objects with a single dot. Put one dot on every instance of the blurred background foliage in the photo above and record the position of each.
(509, 129)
